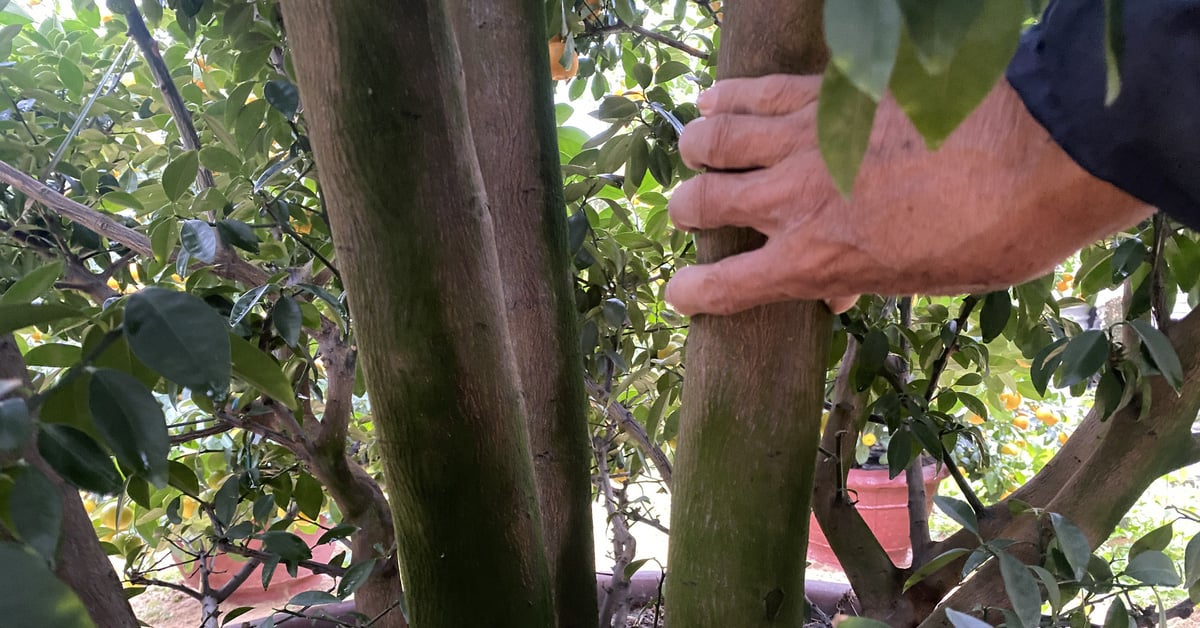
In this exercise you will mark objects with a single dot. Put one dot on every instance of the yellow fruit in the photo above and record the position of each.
(1062, 439)
(1020, 422)
(89, 505)
(974, 419)
(1005, 494)
(558, 71)
(36, 336)
(1046, 417)
(1023, 363)
(1008, 450)
(187, 507)
(133, 272)
(303, 228)
(869, 439)
(176, 278)
(113, 518)
(106, 18)
(112, 283)
(1011, 401)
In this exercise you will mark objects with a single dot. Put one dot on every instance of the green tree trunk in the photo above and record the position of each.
(511, 106)
(748, 436)
(382, 82)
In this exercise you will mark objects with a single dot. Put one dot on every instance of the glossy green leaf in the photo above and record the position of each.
(993, 318)
(670, 70)
(118, 199)
(616, 109)
(78, 459)
(1085, 354)
(1155, 540)
(937, 27)
(313, 598)
(183, 478)
(35, 507)
(225, 500)
(339, 531)
(1073, 543)
(309, 496)
(16, 425)
(937, 103)
(1191, 562)
(132, 423)
(245, 303)
(239, 234)
(963, 620)
(283, 96)
(845, 115)
(901, 451)
(959, 511)
(1126, 258)
(35, 284)
(289, 547)
(860, 622)
(287, 319)
(181, 337)
(33, 595)
(199, 240)
(1154, 568)
(1161, 352)
(934, 565)
(1021, 588)
(1117, 616)
(180, 174)
(218, 159)
(862, 37)
(1045, 363)
(355, 577)
(261, 371)
(21, 315)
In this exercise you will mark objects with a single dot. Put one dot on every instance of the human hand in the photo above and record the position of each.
(999, 203)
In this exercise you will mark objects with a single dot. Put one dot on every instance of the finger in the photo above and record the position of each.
(741, 142)
(772, 95)
(731, 285)
(837, 305)
(752, 199)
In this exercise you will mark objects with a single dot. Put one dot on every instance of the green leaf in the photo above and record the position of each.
(339, 531)
(225, 501)
(78, 459)
(178, 176)
(643, 74)
(901, 451)
(614, 312)
(670, 70)
(152, 10)
(935, 565)
(199, 240)
(181, 337)
(1114, 48)
(1117, 616)
(183, 478)
(354, 578)
(218, 159)
(245, 303)
(1110, 394)
(54, 355)
(1085, 354)
(190, 8)
(1191, 562)
(1073, 543)
(16, 426)
(1154, 568)
(239, 234)
(309, 496)
(1155, 540)
(121, 7)
(122, 200)
(132, 423)
(1161, 352)
(289, 547)
(937, 27)
(993, 318)
(845, 115)
(1045, 363)
(937, 103)
(862, 37)
(963, 620)
(860, 622)
(261, 371)
(616, 109)
(959, 511)
(287, 319)
(313, 598)
(33, 595)
(21, 315)
(871, 357)
(283, 96)
(36, 283)
(35, 507)
(1021, 588)
(1127, 257)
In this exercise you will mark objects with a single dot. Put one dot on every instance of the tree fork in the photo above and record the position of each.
(517, 146)
(748, 437)
(382, 82)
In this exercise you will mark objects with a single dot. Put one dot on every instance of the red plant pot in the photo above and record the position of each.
(883, 504)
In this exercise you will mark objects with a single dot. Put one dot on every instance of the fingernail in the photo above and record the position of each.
(706, 101)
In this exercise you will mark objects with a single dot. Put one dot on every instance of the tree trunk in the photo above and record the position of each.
(511, 106)
(748, 436)
(382, 82)
(81, 562)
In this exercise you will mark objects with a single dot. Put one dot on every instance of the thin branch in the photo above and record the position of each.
(706, 5)
(914, 475)
(1158, 274)
(144, 581)
(237, 580)
(192, 435)
(615, 605)
(622, 417)
(311, 565)
(622, 27)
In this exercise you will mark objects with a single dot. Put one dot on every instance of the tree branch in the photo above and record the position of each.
(615, 603)
(914, 475)
(311, 565)
(622, 27)
(144, 581)
(623, 418)
(237, 580)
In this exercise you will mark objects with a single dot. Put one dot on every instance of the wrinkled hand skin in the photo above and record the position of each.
(997, 204)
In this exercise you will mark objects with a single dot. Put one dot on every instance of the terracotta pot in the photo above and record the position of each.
(226, 566)
(883, 504)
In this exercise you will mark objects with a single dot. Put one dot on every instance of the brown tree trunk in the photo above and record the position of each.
(81, 562)
(382, 82)
(748, 436)
(511, 106)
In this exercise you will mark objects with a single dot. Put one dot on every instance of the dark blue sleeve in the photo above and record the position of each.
(1147, 142)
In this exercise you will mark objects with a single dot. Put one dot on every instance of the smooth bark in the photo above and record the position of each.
(382, 84)
(748, 435)
(511, 107)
